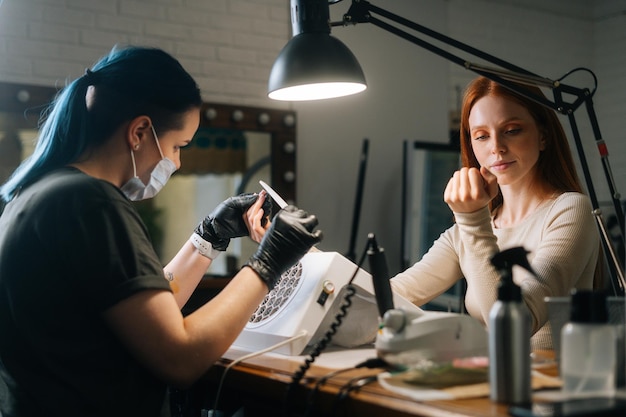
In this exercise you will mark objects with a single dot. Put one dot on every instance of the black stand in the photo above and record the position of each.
(358, 199)
(507, 75)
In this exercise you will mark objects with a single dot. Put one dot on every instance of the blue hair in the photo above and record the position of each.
(128, 82)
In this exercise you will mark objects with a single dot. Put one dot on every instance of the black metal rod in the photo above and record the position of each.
(604, 155)
(446, 39)
(358, 200)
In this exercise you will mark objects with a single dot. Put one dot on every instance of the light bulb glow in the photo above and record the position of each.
(317, 91)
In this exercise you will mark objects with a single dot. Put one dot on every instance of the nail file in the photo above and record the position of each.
(277, 198)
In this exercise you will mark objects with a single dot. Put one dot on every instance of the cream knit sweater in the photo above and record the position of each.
(563, 241)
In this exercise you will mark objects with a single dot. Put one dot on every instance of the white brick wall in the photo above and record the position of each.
(228, 46)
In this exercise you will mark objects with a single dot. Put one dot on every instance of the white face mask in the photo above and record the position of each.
(136, 190)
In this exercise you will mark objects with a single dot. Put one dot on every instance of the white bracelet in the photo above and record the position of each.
(205, 248)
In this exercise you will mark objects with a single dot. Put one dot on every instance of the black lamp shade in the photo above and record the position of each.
(315, 66)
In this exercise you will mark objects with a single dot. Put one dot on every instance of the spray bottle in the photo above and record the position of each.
(509, 334)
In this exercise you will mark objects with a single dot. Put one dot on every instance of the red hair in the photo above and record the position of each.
(555, 166)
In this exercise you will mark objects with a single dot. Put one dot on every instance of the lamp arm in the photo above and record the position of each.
(615, 268)
(509, 75)
(361, 12)
(604, 157)
(500, 77)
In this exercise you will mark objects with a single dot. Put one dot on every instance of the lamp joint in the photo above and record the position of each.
(359, 12)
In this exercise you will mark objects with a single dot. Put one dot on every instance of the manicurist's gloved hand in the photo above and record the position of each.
(289, 238)
(213, 234)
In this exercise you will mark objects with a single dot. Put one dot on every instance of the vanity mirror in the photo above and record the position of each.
(234, 148)
(20, 108)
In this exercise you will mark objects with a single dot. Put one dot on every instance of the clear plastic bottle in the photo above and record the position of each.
(588, 347)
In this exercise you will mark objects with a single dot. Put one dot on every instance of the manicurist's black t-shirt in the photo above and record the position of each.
(72, 246)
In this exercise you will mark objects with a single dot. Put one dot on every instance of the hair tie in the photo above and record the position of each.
(90, 76)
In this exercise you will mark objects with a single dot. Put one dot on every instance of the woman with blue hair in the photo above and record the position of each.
(90, 320)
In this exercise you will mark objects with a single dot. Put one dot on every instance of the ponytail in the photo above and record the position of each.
(127, 83)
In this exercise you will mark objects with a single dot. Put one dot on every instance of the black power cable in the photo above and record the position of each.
(372, 363)
(320, 345)
(352, 385)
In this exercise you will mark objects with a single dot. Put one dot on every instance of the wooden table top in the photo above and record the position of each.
(271, 374)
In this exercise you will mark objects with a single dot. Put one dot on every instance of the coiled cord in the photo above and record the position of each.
(320, 345)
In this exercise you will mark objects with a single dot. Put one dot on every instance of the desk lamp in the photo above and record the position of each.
(314, 65)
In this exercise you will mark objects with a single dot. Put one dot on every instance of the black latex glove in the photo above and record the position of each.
(288, 239)
(226, 221)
